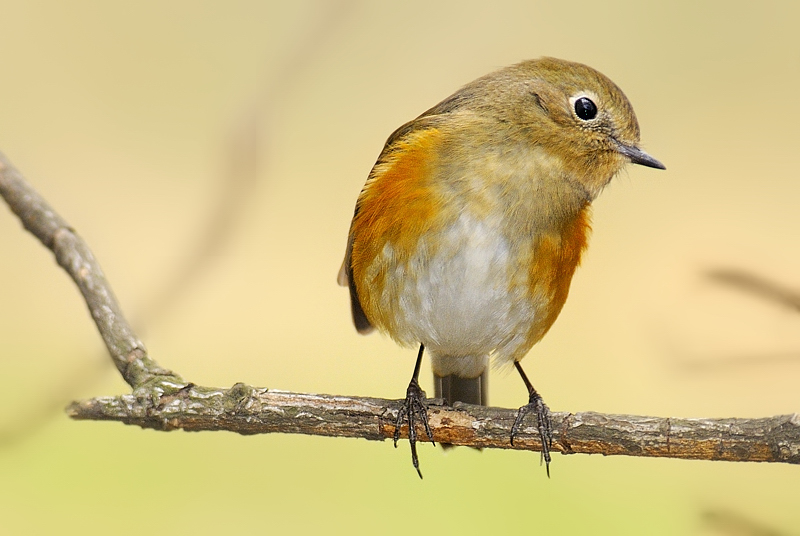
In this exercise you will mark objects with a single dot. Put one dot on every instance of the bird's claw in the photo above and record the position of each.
(544, 424)
(413, 407)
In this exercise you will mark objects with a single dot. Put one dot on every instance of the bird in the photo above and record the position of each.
(470, 226)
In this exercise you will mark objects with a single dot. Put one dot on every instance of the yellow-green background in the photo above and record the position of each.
(125, 116)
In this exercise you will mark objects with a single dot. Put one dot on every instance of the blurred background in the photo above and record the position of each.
(211, 156)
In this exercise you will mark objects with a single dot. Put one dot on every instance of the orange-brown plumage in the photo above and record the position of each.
(555, 258)
(394, 208)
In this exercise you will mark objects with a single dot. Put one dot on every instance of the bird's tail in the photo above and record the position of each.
(468, 390)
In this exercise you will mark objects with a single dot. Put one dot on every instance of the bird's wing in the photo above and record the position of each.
(389, 152)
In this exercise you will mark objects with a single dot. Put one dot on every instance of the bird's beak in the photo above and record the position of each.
(637, 156)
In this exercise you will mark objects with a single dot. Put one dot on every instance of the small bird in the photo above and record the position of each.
(472, 221)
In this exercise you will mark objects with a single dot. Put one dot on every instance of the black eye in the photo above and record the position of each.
(585, 109)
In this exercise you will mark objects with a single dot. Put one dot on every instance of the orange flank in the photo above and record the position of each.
(396, 207)
(555, 258)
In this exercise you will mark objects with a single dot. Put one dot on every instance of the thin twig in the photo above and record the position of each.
(74, 256)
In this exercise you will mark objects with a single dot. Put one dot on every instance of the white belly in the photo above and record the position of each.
(467, 300)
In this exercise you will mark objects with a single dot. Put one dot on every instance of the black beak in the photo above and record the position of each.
(637, 156)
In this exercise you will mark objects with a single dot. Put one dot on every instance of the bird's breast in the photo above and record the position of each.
(468, 289)
(469, 256)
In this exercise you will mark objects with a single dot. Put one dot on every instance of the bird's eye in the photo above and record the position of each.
(585, 109)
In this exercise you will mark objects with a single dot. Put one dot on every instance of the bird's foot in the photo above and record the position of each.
(413, 408)
(536, 404)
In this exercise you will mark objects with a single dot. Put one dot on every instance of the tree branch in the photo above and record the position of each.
(247, 410)
(163, 401)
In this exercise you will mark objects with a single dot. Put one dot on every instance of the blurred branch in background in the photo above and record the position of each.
(716, 364)
(236, 185)
(27, 418)
(758, 287)
(754, 284)
(163, 401)
(247, 142)
(727, 523)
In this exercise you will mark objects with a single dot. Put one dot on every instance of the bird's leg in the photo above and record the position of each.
(413, 406)
(537, 405)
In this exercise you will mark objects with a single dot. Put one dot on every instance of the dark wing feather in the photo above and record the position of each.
(345, 278)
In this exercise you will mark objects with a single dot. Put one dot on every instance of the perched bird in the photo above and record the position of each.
(473, 220)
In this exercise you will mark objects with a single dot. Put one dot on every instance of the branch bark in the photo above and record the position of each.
(248, 410)
(161, 400)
